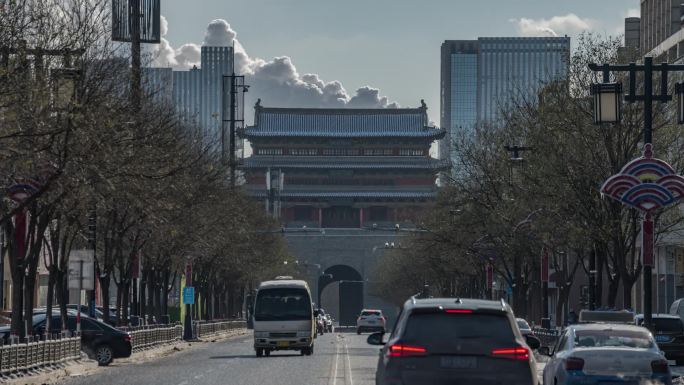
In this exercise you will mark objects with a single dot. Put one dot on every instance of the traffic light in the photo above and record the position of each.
(92, 226)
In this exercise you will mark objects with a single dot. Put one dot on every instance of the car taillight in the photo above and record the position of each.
(574, 363)
(401, 350)
(359, 319)
(128, 338)
(659, 366)
(518, 353)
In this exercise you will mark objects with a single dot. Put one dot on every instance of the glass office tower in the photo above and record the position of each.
(480, 77)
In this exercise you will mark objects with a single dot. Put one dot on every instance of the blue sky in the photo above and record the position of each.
(392, 45)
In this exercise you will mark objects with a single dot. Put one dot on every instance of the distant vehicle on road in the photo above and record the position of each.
(450, 340)
(284, 318)
(524, 327)
(668, 331)
(603, 353)
(328, 323)
(370, 320)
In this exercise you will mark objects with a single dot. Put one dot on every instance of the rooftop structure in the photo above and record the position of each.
(342, 168)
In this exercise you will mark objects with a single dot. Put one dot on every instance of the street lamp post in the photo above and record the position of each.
(632, 186)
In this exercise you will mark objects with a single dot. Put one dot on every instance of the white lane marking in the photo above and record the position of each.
(348, 374)
(333, 369)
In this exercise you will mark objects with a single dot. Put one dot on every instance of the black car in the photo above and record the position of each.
(99, 340)
(451, 340)
(668, 332)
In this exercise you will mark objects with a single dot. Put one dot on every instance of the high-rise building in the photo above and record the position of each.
(216, 62)
(158, 84)
(186, 95)
(660, 19)
(479, 77)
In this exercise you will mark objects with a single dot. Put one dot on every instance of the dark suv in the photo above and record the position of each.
(668, 332)
(451, 340)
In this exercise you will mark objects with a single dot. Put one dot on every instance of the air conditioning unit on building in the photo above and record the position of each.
(679, 280)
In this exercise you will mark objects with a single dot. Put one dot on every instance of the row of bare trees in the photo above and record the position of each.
(504, 210)
(81, 168)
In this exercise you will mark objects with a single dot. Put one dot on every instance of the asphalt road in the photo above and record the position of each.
(338, 359)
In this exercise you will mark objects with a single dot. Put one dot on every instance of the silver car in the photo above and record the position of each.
(594, 354)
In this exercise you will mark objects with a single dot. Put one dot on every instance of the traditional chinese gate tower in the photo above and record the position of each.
(342, 168)
(341, 180)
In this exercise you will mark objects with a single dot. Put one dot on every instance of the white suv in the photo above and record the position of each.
(370, 320)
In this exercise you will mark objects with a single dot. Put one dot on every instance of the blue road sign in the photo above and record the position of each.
(189, 295)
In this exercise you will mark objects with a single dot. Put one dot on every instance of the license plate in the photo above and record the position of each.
(662, 338)
(283, 344)
(371, 322)
(459, 362)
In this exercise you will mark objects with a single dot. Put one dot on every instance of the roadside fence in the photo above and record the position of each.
(211, 328)
(548, 337)
(149, 336)
(36, 354)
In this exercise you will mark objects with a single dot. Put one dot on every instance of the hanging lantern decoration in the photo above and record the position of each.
(607, 102)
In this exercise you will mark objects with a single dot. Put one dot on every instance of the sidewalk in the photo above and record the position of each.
(85, 366)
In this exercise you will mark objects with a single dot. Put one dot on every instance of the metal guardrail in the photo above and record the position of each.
(149, 336)
(35, 354)
(548, 337)
(210, 328)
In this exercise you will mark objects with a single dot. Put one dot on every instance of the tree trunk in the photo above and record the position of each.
(125, 301)
(18, 302)
(62, 296)
(104, 289)
(613, 286)
(49, 299)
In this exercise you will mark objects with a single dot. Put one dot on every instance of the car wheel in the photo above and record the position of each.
(104, 355)
(358, 331)
(267, 352)
(259, 352)
(311, 350)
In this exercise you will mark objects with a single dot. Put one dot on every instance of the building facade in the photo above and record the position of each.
(345, 184)
(198, 92)
(479, 77)
(342, 168)
(186, 95)
(660, 19)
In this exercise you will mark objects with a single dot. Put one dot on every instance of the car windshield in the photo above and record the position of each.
(613, 338)
(370, 313)
(522, 324)
(666, 325)
(282, 304)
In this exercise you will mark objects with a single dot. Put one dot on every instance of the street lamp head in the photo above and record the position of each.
(607, 102)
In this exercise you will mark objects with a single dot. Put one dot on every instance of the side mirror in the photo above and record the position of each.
(375, 339)
(544, 351)
(533, 342)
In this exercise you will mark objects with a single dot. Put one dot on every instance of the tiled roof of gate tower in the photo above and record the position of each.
(342, 123)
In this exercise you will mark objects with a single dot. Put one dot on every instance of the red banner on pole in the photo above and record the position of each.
(545, 265)
(188, 274)
(647, 235)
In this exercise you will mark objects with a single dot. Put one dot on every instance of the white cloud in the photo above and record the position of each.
(569, 24)
(276, 81)
(633, 12)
